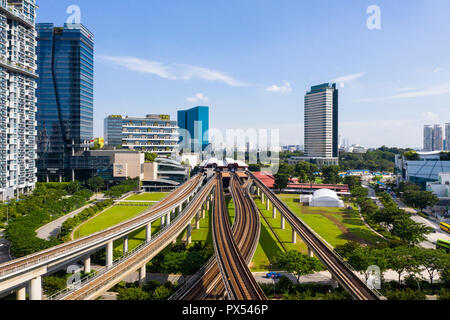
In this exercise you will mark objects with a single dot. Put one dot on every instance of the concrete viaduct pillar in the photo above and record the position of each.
(180, 208)
(310, 253)
(203, 211)
(87, 264)
(21, 294)
(274, 212)
(125, 244)
(294, 236)
(109, 254)
(283, 222)
(197, 220)
(258, 191)
(148, 232)
(168, 219)
(268, 205)
(207, 204)
(189, 234)
(163, 221)
(36, 288)
(262, 198)
(142, 275)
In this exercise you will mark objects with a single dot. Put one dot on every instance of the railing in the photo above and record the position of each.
(82, 245)
(77, 285)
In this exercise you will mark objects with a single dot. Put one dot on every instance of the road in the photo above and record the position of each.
(4, 249)
(52, 228)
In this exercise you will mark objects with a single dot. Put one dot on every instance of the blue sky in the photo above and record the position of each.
(257, 58)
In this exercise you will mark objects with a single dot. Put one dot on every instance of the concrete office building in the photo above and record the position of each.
(321, 123)
(65, 97)
(17, 97)
(427, 138)
(196, 122)
(447, 136)
(154, 133)
(438, 138)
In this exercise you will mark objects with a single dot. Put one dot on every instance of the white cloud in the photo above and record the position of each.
(430, 116)
(438, 90)
(172, 71)
(284, 88)
(405, 89)
(438, 69)
(198, 97)
(348, 79)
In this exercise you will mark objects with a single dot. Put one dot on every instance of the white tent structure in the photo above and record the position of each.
(326, 198)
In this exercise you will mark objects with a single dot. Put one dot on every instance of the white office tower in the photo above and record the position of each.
(427, 138)
(438, 138)
(321, 122)
(17, 97)
(447, 136)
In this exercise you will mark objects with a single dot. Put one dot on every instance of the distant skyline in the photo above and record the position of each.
(258, 58)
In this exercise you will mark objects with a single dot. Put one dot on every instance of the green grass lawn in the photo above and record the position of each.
(337, 226)
(204, 234)
(154, 196)
(269, 247)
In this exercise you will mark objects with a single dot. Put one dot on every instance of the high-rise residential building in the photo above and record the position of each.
(428, 138)
(447, 136)
(196, 122)
(321, 122)
(438, 138)
(154, 133)
(65, 96)
(17, 97)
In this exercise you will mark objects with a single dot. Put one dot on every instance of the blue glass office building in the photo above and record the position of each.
(65, 96)
(196, 122)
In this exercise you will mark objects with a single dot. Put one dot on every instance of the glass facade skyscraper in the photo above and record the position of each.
(196, 122)
(321, 122)
(65, 96)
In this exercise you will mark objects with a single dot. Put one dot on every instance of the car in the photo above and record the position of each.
(273, 275)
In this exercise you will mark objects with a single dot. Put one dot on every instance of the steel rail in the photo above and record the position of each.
(207, 282)
(59, 252)
(238, 280)
(108, 276)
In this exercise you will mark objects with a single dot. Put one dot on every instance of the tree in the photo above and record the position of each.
(297, 263)
(420, 199)
(359, 192)
(96, 183)
(52, 285)
(161, 293)
(352, 182)
(345, 250)
(411, 155)
(362, 258)
(433, 261)
(402, 259)
(410, 231)
(150, 157)
(331, 174)
(281, 181)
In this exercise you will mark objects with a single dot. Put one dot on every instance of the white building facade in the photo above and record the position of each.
(321, 122)
(18, 151)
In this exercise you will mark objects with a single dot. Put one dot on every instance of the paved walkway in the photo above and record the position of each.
(52, 228)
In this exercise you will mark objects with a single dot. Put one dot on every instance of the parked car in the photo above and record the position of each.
(273, 275)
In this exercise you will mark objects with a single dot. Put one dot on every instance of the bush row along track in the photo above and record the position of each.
(207, 283)
(337, 267)
(238, 280)
(93, 287)
(58, 253)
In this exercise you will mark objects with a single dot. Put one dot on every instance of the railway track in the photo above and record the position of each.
(338, 268)
(141, 255)
(207, 283)
(237, 278)
(59, 251)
